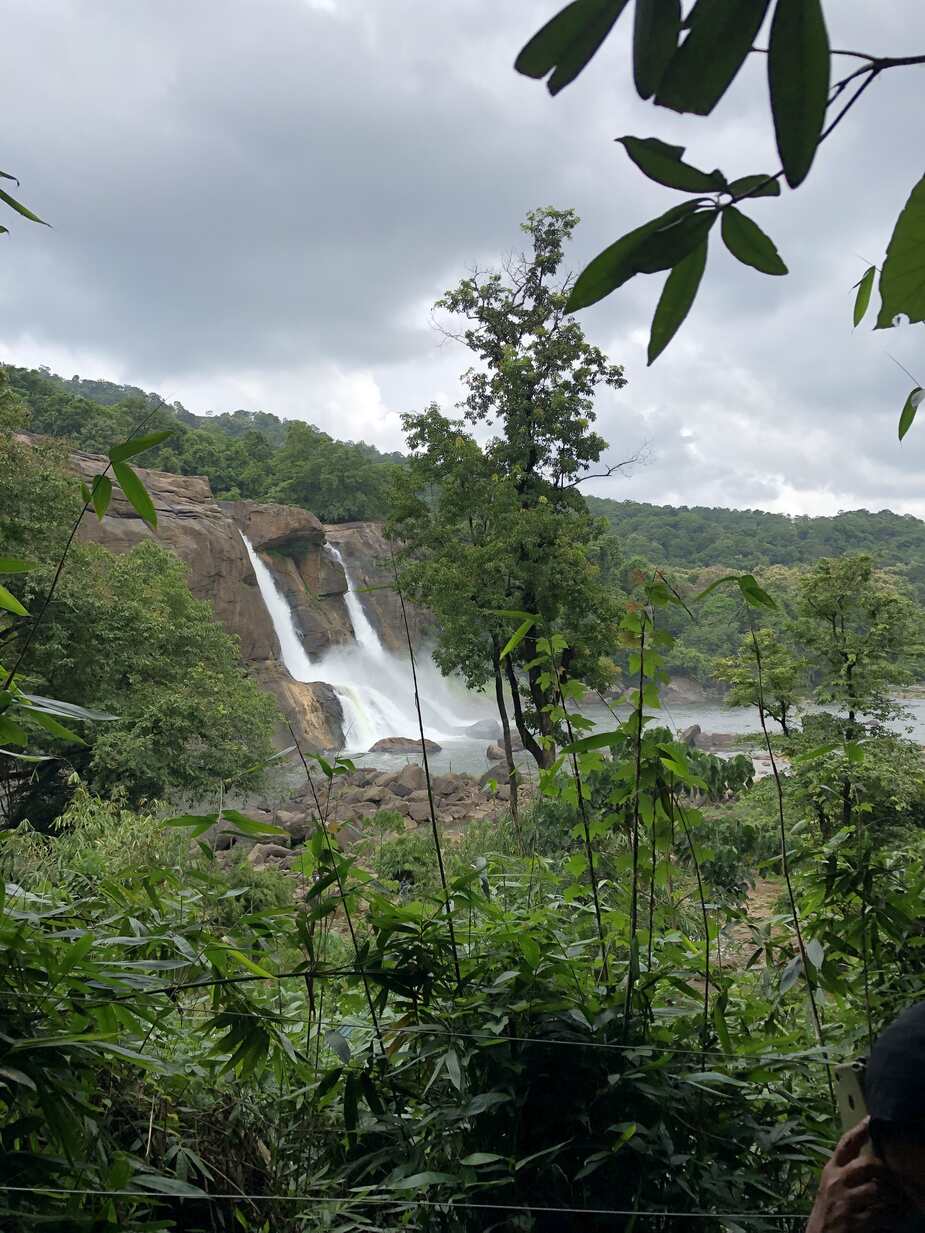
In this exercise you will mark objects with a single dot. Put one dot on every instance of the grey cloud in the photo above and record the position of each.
(255, 203)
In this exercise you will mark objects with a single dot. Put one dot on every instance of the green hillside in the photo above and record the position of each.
(698, 536)
(247, 454)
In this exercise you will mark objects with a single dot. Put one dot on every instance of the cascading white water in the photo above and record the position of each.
(440, 705)
(354, 672)
(363, 631)
(295, 659)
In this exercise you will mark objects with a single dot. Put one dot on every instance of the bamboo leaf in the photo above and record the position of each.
(101, 495)
(15, 565)
(136, 493)
(517, 636)
(20, 208)
(137, 445)
(862, 299)
(909, 410)
(11, 603)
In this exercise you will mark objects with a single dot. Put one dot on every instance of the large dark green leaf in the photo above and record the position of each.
(20, 208)
(656, 30)
(136, 493)
(754, 186)
(747, 242)
(666, 247)
(909, 410)
(799, 67)
(136, 445)
(663, 163)
(567, 42)
(614, 266)
(704, 66)
(676, 299)
(902, 279)
(862, 299)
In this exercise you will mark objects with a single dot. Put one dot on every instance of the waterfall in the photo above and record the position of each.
(440, 704)
(363, 631)
(354, 671)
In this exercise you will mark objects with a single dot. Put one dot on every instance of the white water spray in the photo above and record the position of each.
(374, 689)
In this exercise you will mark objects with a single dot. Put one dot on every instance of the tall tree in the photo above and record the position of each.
(782, 682)
(863, 635)
(499, 526)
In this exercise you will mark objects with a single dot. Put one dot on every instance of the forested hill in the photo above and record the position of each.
(250, 454)
(257, 455)
(687, 537)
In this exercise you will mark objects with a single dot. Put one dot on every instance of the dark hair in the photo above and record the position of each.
(894, 1080)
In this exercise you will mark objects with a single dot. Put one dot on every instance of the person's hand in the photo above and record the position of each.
(856, 1194)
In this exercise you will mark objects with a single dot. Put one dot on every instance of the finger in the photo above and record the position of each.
(869, 1169)
(850, 1144)
(863, 1196)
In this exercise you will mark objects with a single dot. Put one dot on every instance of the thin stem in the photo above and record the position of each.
(634, 839)
(340, 890)
(430, 792)
(706, 929)
(784, 855)
(586, 830)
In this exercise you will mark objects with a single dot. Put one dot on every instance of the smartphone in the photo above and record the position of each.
(849, 1094)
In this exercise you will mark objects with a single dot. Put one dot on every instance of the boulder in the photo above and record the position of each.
(484, 730)
(497, 772)
(445, 785)
(419, 794)
(403, 744)
(419, 811)
(263, 853)
(374, 793)
(688, 736)
(296, 824)
(718, 740)
(409, 779)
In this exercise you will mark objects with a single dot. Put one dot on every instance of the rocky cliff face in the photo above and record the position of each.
(292, 543)
(205, 534)
(296, 547)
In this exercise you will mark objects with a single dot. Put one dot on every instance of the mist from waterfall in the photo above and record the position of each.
(374, 688)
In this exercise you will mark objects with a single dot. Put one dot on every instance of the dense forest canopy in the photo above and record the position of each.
(245, 454)
(687, 537)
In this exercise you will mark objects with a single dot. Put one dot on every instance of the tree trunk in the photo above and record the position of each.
(530, 742)
(505, 729)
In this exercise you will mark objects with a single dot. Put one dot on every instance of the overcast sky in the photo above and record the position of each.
(255, 203)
